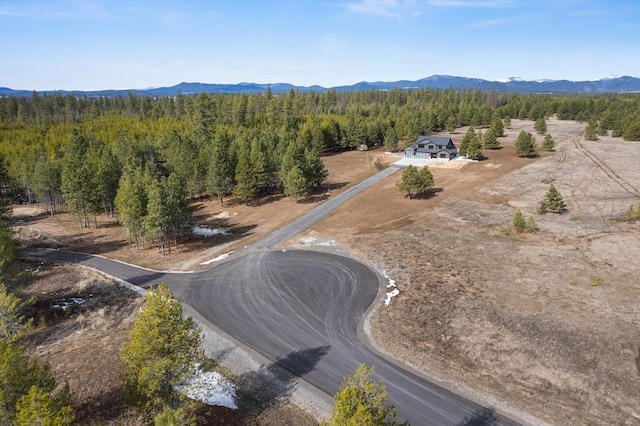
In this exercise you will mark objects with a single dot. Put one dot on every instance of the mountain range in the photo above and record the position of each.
(610, 84)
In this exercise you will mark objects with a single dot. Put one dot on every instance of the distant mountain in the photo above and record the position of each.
(609, 84)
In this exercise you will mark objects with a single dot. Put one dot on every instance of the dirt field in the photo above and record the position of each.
(546, 324)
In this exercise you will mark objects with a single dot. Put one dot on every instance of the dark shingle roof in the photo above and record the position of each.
(436, 140)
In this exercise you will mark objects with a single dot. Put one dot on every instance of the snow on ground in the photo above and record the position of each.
(216, 259)
(421, 162)
(313, 241)
(211, 388)
(208, 232)
(67, 303)
(392, 293)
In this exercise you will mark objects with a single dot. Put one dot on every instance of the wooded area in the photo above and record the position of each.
(143, 158)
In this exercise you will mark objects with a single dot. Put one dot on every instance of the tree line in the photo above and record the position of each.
(84, 154)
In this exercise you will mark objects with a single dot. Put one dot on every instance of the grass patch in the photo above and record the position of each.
(596, 282)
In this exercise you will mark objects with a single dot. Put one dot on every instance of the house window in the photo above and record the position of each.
(443, 155)
(421, 146)
(439, 146)
(431, 147)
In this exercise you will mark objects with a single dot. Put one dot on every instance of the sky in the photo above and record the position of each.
(123, 44)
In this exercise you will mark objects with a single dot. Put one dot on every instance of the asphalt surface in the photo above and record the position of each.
(301, 309)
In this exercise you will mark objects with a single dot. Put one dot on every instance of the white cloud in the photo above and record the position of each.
(392, 9)
(488, 23)
(472, 3)
(68, 10)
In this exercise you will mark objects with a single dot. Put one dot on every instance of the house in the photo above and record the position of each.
(432, 147)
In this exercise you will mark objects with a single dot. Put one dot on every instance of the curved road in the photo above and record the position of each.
(301, 309)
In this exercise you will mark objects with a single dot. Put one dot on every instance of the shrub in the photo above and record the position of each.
(632, 214)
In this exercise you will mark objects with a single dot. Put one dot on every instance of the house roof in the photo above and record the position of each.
(437, 141)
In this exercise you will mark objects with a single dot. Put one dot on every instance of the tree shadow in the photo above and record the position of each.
(311, 199)
(433, 192)
(105, 407)
(336, 185)
(272, 384)
(482, 417)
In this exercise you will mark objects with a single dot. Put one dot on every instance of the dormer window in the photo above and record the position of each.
(431, 146)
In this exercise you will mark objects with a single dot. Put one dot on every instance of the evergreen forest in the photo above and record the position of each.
(144, 158)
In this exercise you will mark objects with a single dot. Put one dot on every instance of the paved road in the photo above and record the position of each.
(301, 309)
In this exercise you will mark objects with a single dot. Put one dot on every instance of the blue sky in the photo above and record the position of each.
(117, 44)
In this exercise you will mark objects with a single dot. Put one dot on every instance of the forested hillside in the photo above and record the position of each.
(143, 158)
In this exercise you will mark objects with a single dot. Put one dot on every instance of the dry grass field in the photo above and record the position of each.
(545, 326)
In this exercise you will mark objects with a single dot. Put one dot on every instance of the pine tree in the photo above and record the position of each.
(259, 163)
(519, 221)
(313, 168)
(474, 148)
(540, 126)
(548, 143)
(219, 181)
(19, 373)
(552, 202)
(490, 140)
(162, 350)
(415, 182)
(361, 401)
(12, 324)
(12, 271)
(525, 145)
(39, 407)
(77, 180)
(46, 182)
(632, 131)
(245, 188)
(507, 122)
(131, 203)
(591, 132)
(451, 123)
(391, 139)
(295, 185)
(497, 127)
(179, 212)
(466, 140)
(156, 221)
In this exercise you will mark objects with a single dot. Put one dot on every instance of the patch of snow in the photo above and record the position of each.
(390, 295)
(392, 283)
(216, 259)
(211, 388)
(393, 293)
(608, 77)
(208, 232)
(328, 243)
(307, 240)
(66, 304)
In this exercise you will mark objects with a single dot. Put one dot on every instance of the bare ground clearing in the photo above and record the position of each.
(549, 323)
(513, 318)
